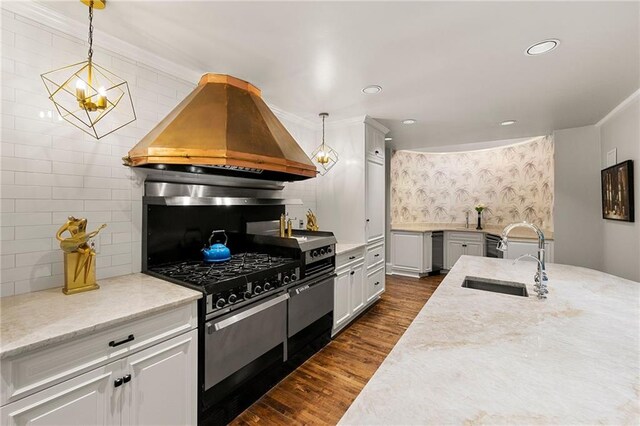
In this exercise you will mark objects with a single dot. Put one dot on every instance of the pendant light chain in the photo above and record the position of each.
(90, 31)
(323, 117)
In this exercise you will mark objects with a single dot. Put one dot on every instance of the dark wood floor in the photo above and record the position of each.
(321, 390)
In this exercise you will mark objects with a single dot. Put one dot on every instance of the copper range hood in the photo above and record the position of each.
(223, 127)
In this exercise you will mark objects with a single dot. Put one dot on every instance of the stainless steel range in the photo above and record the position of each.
(265, 305)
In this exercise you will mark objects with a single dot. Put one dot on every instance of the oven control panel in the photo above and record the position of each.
(223, 301)
(320, 253)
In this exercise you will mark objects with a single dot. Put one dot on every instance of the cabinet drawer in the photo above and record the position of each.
(465, 236)
(375, 284)
(349, 258)
(375, 256)
(27, 373)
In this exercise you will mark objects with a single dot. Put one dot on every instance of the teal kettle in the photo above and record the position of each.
(218, 252)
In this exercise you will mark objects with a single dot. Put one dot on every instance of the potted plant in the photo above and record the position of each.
(479, 208)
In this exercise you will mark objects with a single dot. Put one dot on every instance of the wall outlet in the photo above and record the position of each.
(94, 243)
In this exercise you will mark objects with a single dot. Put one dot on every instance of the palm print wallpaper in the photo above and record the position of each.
(514, 182)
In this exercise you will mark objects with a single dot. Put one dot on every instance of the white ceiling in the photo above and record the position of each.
(457, 67)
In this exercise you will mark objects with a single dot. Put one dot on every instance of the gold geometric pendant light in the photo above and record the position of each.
(324, 157)
(89, 96)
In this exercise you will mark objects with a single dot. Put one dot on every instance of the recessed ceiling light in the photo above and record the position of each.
(409, 121)
(508, 122)
(372, 90)
(388, 138)
(543, 46)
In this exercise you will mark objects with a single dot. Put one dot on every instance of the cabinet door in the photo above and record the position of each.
(455, 249)
(357, 288)
(89, 399)
(374, 195)
(407, 250)
(163, 386)
(375, 284)
(342, 298)
(474, 249)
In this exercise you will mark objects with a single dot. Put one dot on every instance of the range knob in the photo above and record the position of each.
(220, 303)
(314, 253)
(232, 298)
(294, 277)
(257, 290)
(286, 279)
(322, 252)
(329, 250)
(267, 286)
(247, 295)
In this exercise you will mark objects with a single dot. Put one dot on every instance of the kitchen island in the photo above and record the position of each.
(478, 357)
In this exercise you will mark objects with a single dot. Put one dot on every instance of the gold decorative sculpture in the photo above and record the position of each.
(79, 256)
(312, 221)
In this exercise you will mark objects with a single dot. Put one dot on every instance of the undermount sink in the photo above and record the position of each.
(487, 284)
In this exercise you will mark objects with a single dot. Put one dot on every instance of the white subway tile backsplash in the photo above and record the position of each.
(25, 165)
(35, 231)
(25, 191)
(27, 272)
(25, 246)
(7, 233)
(48, 179)
(81, 193)
(80, 169)
(33, 206)
(20, 219)
(7, 261)
(38, 257)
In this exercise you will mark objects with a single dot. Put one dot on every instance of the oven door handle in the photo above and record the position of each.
(211, 327)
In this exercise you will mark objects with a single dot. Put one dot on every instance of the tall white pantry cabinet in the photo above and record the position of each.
(351, 203)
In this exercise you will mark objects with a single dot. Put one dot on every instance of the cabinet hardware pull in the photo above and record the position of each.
(127, 378)
(353, 272)
(117, 382)
(377, 283)
(113, 343)
(376, 255)
(351, 257)
(377, 152)
(367, 220)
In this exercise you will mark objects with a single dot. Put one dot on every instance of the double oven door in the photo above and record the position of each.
(234, 341)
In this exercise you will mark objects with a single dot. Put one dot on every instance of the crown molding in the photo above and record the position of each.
(618, 108)
(376, 124)
(296, 119)
(42, 15)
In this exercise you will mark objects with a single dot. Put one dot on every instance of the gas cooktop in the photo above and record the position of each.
(239, 279)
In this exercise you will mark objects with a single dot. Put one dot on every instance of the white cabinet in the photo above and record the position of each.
(455, 249)
(350, 292)
(411, 253)
(342, 299)
(149, 379)
(89, 399)
(517, 248)
(375, 191)
(460, 244)
(375, 284)
(357, 288)
(161, 374)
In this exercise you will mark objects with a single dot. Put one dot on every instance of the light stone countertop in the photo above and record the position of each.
(345, 247)
(477, 357)
(34, 320)
(522, 233)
